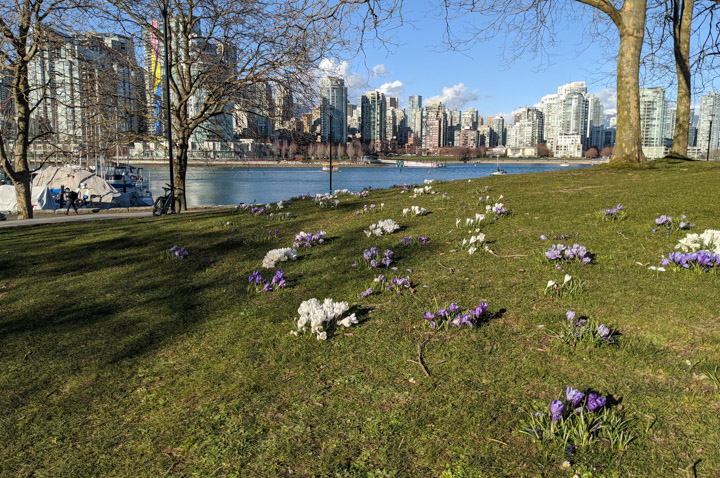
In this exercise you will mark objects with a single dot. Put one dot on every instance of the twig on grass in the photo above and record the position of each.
(451, 269)
(505, 257)
(623, 235)
(419, 360)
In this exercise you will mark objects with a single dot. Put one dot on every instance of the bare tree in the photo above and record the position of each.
(530, 25)
(226, 56)
(592, 152)
(606, 152)
(26, 28)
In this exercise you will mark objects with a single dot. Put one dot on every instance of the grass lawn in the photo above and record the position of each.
(117, 359)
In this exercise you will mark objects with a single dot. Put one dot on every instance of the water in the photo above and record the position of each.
(215, 186)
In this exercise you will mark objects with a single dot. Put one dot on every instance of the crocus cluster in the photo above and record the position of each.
(278, 255)
(487, 199)
(498, 209)
(396, 284)
(670, 225)
(454, 316)
(569, 286)
(471, 222)
(374, 259)
(423, 190)
(179, 252)
(371, 208)
(613, 214)
(361, 194)
(473, 243)
(580, 329)
(386, 226)
(306, 239)
(701, 260)
(577, 402)
(561, 252)
(263, 285)
(422, 240)
(414, 210)
(709, 240)
(318, 316)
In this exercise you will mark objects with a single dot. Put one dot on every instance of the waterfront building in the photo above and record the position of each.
(469, 119)
(86, 89)
(434, 127)
(652, 107)
(497, 132)
(334, 93)
(566, 113)
(568, 146)
(527, 128)
(414, 114)
(467, 138)
(373, 124)
(709, 116)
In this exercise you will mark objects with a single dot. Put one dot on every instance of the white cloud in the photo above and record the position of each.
(393, 88)
(380, 71)
(456, 96)
(353, 80)
(608, 98)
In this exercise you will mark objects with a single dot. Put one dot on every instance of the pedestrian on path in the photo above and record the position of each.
(72, 197)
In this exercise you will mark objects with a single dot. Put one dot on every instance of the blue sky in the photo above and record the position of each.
(478, 78)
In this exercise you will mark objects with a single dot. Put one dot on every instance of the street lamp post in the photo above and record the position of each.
(168, 116)
(330, 138)
(709, 136)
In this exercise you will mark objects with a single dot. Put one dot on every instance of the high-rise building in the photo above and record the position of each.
(527, 129)
(86, 88)
(595, 126)
(497, 132)
(373, 123)
(334, 92)
(434, 127)
(708, 129)
(566, 113)
(652, 107)
(469, 119)
(415, 116)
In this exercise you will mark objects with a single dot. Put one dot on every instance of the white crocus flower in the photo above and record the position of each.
(472, 250)
(348, 321)
(551, 283)
(322, 336)
(457, 222)
(567, 279)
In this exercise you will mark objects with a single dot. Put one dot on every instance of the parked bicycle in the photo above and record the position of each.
(162, 204)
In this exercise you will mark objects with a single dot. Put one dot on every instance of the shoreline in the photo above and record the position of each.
(345, 164)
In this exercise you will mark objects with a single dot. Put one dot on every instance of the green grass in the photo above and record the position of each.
(118, 361)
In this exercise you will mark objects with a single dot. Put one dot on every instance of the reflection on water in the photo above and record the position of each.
(216, 186)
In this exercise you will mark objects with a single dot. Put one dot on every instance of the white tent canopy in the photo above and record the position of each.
(81, 180)
(41, 198)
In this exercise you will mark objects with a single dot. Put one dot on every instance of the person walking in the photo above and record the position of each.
(62, 196)
(72, 197)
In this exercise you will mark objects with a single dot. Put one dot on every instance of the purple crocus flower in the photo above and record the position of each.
(574, 396)
(556, 408)
(387, 261)
(594, 402)
(267, 288)
(281, 284)
(570, 314)
(429, 317)
(442, 313)
(367, 254)
(543, 237)
(406, 240)
(374, 251)
(453, 307)
(479, 310)
(464, 319)
(173, 248)
(374, 263)
(603, 331)
(389, 253)
(366, 293)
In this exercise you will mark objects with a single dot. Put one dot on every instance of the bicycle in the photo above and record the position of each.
(162, 204)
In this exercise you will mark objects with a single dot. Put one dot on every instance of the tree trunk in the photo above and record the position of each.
(21, 169)
(180, 162)
(682, 22)
(628, 147)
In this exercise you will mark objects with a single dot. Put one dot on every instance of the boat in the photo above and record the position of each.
(326, 168)
(498, 171)
(564, 164)
(129, 180)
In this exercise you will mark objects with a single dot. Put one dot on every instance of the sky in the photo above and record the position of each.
(478, 78)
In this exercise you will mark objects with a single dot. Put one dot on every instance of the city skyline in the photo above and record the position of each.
(478, 77)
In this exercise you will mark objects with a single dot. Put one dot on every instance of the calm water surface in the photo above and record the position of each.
(216, 186)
